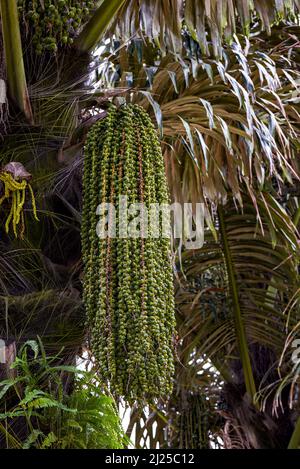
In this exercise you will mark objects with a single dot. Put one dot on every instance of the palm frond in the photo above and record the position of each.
(265, 278)
(226, 124)
(210, 23)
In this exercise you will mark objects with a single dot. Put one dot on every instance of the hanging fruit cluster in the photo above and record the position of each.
(53, 23)
(193, 420)
(15, 184)
(128, 281)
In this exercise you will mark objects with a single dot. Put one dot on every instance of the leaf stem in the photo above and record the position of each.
(238, 318)
(295, 438)
(94, 29)
(14, 57)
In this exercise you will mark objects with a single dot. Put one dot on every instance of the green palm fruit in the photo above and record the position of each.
(60, 19)
(128, 282)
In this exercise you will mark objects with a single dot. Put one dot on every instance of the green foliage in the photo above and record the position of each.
(230, 132)
(128, 281)
(54, 23)
(96, 423)
(84, 419)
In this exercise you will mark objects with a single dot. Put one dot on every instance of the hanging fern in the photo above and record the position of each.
(128, 281)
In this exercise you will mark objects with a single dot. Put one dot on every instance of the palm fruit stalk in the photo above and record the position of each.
(128, 279)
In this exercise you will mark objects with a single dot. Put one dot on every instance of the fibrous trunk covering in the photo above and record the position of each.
(128, 281)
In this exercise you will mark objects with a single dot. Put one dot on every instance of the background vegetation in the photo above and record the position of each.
(220, 81)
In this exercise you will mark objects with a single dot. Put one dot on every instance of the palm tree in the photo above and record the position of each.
(207, 116)
(226, 103)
